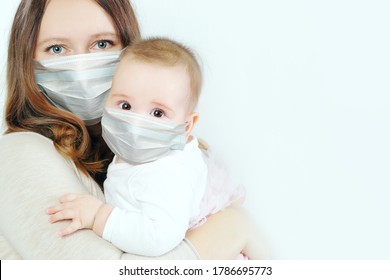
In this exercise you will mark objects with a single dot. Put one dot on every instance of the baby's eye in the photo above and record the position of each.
(56, 49)
(103, 44)
(124, 105)
(158, 113)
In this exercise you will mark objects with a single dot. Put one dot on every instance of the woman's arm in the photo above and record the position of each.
(228, 233)
(33, 176)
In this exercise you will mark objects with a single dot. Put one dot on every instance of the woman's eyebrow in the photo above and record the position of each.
(105, 34)
(53, 40)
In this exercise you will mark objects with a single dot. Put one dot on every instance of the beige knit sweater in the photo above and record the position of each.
(33, 175)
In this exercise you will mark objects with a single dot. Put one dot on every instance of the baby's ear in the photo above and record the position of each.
(190, 122)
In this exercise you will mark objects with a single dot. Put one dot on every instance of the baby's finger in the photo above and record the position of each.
(54, 209)
(68, 197)
(74, 226)
(65, 214)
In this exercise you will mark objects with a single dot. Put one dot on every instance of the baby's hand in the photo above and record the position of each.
(79, 208)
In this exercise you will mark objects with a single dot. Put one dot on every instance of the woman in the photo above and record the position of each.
(48, 151)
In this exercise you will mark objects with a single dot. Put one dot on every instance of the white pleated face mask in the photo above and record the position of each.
(139, 139)
(78, 83)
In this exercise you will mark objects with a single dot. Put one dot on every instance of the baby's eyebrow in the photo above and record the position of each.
(162, 106)
(119, 95)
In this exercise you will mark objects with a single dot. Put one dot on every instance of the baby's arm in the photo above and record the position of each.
(157, 215)
(85, 211)
(156, 223)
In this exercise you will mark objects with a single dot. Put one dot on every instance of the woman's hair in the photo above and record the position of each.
(167, 52)
(28, 110)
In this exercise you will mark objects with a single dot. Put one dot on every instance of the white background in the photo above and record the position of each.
(296, 100)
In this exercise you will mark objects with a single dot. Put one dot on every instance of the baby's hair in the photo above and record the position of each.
(167, 52)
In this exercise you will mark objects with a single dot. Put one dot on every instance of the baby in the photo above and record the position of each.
(157, 179)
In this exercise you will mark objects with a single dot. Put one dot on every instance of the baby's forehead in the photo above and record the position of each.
(130, 59)
(154, 66)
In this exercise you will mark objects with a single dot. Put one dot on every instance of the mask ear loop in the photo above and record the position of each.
(51, 102)
(202, 144)
(122, 52)
(189, 124)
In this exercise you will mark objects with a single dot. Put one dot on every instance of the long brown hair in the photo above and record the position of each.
(28, 110)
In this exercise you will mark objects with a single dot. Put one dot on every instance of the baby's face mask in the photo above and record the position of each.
(138, 138)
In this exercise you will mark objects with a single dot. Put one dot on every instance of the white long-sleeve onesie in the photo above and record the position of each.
(154, 202)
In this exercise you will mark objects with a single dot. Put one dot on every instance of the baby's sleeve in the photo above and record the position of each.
(157, 217)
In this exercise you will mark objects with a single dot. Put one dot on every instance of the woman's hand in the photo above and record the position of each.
(79, 208)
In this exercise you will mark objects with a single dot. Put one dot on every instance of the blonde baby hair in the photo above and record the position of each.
(167, 52)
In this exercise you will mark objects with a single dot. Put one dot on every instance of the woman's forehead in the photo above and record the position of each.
(74, 19)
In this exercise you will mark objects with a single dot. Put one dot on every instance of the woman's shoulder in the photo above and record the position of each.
(32, 151)
(30, 140)
(27, 149)
(24, 136)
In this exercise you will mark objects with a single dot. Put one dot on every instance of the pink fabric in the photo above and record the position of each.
(220, 191)
(242, 257)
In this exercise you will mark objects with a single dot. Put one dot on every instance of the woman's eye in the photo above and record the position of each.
(158, 113)
(125, 106)
(56, 49)
(104, 44)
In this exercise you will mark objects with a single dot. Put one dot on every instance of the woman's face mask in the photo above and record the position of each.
(78, 83)
(139, 139)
